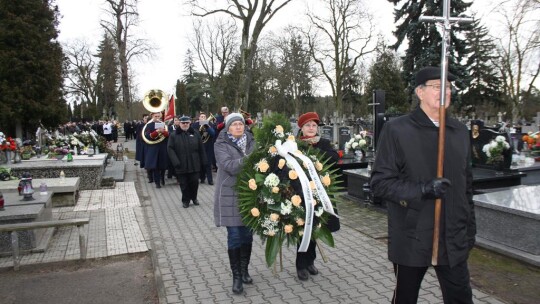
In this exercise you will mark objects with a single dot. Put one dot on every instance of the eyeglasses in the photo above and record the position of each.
(437, 87)
(184, 122)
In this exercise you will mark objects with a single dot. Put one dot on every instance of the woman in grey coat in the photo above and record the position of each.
(231, 148)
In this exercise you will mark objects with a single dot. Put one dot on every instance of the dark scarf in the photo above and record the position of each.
(312, 140)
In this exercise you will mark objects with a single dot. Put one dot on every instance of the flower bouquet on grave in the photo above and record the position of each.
(286, 190)
(58, 152)
(358, 143)
(532, 140)
(494, 151)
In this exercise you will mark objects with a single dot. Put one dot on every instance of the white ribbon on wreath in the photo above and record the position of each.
(287, 150)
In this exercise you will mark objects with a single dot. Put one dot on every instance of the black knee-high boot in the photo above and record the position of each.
(245, 255)
(234, 259)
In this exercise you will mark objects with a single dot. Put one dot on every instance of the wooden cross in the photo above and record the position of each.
(446, 23)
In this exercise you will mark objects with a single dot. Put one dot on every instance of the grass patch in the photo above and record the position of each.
(503, 277)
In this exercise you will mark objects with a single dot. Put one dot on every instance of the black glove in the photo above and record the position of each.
(435, 188)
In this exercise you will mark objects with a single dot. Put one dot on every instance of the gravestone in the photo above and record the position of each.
(327, 133)
(481, 137)
(344, 136)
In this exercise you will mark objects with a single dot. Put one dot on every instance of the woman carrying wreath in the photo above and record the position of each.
(232, 147)
(309, 124)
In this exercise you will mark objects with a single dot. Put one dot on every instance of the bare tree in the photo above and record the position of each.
(296, 69)
(215, 44)
(247, 12)
(125, 17)
(519, 50)
(81, 71)
(338, 40)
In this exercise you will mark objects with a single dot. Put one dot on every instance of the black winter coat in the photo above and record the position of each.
(186, 151)
(406, 157)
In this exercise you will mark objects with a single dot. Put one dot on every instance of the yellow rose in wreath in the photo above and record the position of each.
(255, 212)
(279, 129)
(293, 175)
(274, 217)
(263, 166)
(326, 180)
(281, 163)
(300, 222)
(288, 228)
(252, 184)
(296, 200)
(318, 166)
(275, 189)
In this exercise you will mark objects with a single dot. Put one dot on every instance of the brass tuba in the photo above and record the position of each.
(212, 118)
(154, 101)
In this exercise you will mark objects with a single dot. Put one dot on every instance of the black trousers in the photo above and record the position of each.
(454, 282)
(305, 259)
(206, 173)
(189, 185)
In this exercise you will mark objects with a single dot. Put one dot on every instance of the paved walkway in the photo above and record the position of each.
(190, 256)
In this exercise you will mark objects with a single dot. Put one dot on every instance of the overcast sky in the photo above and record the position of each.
(167, 24)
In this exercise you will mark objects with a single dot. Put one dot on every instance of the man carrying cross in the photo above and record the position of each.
(405, 177)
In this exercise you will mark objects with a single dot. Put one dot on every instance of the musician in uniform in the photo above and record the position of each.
(186, 151)
(208, 134)
(155, 158)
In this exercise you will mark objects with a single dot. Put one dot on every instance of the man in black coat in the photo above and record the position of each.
(187, 155)
(404, 176)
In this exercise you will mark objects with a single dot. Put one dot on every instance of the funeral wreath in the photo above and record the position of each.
(286, 190)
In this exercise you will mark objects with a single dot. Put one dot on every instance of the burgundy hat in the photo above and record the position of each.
(304, 118)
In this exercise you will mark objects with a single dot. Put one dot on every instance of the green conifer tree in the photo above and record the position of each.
(424, 40)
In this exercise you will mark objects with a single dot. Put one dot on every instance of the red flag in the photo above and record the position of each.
(171, 112)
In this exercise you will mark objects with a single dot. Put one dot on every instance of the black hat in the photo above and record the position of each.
(185, 118)
(430, 73)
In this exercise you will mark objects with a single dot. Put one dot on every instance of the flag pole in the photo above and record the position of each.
(445, 22)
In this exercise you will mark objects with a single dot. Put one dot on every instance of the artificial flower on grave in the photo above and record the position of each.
(27, 148)
(358, 141)
(532, 140)
(271, 198)
(495, 148)
(7, 143)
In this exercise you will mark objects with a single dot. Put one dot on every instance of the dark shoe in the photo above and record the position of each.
(245, 255)
(211, 183)
(234, 259)
(303, 274)
(185, 205)
(150, 181)
(202, 182)
(196, 202)
(158, 186)
(163, 183)
(312, 270)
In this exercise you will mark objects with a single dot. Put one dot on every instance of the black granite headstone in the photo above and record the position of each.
(327, 132)
(344, 136)
(481, 137)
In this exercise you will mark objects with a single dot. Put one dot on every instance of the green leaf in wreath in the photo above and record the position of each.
(325, 236)
(259, 178)
(273, 244)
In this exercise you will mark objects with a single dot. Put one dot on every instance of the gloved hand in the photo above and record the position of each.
(435, 188)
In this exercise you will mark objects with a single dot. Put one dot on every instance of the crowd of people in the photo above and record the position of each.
(404, 175)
